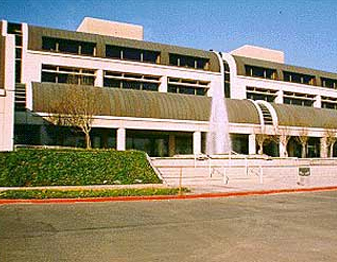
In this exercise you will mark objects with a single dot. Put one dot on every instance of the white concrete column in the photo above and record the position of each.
(99, 78)
(7, 97)
(197, 142)
(121, 139)
(172, 145)
(163, 84)
(3, 29)
(252, 144)
(324, 147)
(279, 97)
(318, 101)
(24, 64)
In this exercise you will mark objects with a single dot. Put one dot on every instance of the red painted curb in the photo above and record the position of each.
(154, 198)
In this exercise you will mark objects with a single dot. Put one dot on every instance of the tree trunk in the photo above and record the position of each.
(284, 142)
(285, 150)
(304, 153)
(260, 152)
(331, 149)
(87, 140)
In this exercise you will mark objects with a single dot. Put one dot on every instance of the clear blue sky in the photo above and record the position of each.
(306, 30)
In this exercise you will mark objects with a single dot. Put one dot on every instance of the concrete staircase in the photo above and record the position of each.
(240, 173)
(204, 172)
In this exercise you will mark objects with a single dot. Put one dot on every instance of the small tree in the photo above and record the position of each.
(284, 139)
(76, 107)
(303, 139)
(331, 138)
(260, 140)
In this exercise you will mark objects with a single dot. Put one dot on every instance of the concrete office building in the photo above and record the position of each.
(156, 97)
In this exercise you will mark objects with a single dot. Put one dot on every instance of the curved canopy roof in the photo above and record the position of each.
(290, 115)
(145, 104)
(149, 104)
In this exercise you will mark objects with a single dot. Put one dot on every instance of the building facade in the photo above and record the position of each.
(156, 97)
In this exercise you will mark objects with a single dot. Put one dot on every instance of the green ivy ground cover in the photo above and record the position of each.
(50, 193)
(50, 167)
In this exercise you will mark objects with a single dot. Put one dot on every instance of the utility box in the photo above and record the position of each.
(304, 174)
(304, 171)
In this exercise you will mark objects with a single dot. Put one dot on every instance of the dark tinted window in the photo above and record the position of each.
(188, 61)
(150, 56)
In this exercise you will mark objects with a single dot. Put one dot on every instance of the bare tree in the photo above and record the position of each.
(284, 138)
(76, 107)
(261, 139)
(331, 138)
(303, 139)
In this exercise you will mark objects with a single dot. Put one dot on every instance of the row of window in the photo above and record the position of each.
(255, 93)
(132, 54)
(290, 98)
(80, 76)
(131, 81)
(261, 72)
(16, 29)
(329, 102)
(67, 75)
(227, 80)
(268, 73)
(187, 86)
(123, 53)
(189, 61)
(68, 46)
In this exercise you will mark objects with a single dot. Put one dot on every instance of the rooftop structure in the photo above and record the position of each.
(109, 28)
(260, 53)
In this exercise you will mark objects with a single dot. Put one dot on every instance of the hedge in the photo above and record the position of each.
(50, 167)
(50, 193)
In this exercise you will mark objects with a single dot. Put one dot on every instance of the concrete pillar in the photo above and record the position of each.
(161, 147)
(163, 84)
(99, 78)
(7, 95)
(121, 139)
(44, 138)
(172, 145)
(279, 97)
(318, 101)
(252, 144)
(24, 64)
(196, 142)
(324, 147)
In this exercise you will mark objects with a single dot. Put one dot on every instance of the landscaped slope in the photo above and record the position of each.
(48, 167)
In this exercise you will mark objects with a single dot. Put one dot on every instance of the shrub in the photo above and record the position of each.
(49, 167)
(85, 193)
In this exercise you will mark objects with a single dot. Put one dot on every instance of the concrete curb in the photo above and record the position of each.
(157, 198)
(89, 187)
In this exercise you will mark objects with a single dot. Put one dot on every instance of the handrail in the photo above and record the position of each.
(155, 169)
(211, 170)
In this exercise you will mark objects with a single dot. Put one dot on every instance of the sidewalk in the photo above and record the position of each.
(196, 193)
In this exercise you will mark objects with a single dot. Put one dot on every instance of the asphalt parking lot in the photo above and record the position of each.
(284, 227)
